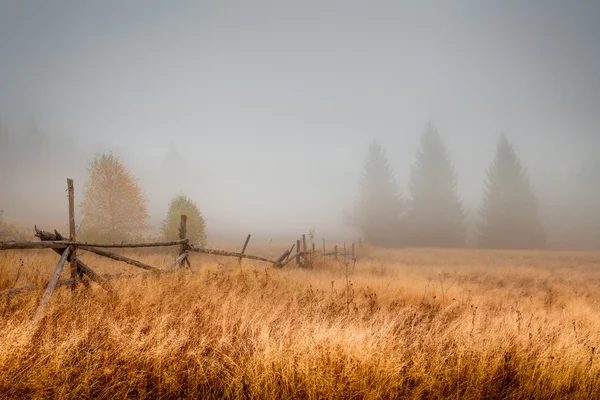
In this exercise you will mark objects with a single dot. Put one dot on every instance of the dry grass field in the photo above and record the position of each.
(400, 324)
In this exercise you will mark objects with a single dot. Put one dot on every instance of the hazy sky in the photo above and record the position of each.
(273, 103)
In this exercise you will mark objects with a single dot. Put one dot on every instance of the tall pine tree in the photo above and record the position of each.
(379, 207)
(510, 215)
(436, 217)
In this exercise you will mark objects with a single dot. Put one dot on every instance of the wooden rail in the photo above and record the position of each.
(58, 244)
(82, 273)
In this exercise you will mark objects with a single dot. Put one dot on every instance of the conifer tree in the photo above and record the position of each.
(436, 217)
(379, 206)
(510, 215)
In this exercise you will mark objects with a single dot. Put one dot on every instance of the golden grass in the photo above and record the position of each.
(411, 324)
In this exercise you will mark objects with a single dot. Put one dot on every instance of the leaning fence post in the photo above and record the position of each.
(182, 236)
(292, 249)
(244, 249)
(75, 273)
(39, 312)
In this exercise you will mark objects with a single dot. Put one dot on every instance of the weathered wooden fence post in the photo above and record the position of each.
(291, 249)
(304, 251)
(335, 252)
(298, 252)
(353, 253)
(344, 251)
(244, 249)
(182, 236)
(324, 252)
(39, 312)
(313, 248)
(75, 272)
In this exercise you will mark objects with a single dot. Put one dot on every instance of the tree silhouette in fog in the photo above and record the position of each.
(587, 205)
(3, 136)
(114, 207)
(510, 215)
(183, 205)
(379, 206)
(436, 217)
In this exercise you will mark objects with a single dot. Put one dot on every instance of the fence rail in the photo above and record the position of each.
(68, 249)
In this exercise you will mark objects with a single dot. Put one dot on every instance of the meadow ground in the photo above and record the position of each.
(398, 324)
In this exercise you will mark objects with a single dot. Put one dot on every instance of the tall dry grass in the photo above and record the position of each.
(401, 324)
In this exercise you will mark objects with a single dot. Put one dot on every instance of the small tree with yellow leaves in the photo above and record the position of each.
(114, 207)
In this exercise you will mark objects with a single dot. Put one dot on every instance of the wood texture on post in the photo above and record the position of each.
(324, 251)
(19, 290)
(33, 245)
(182, 236)
(99, 279)
(335, 251)
(290, 251)
(75, 273)
(118, 257)
(304, 250)
(282, 257)
(286, 262)
(52, 241)
(298, 254)
(244, 248)
(228, 254)
(61, 244)
(128, 245)
(51, 285)
(246, 243)
(43, 235)
(178, 260)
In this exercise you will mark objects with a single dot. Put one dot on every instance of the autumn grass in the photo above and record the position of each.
(406, 324)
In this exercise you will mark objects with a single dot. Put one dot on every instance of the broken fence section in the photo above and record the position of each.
(82, 273)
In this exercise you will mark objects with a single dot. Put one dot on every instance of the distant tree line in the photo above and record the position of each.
(114, 208)
(429, 214)
(432, 214)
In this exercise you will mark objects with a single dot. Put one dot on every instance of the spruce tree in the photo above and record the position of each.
(510, 215)
(436, 217)
(379, 206)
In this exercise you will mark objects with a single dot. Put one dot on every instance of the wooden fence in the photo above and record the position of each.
(81, 273)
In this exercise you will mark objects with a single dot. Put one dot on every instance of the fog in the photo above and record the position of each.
(270, 107)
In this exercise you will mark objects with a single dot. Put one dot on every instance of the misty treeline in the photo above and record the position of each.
(431, 212)
(512, 212)
(113, 207)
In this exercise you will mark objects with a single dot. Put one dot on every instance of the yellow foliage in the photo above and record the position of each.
(114, 207)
